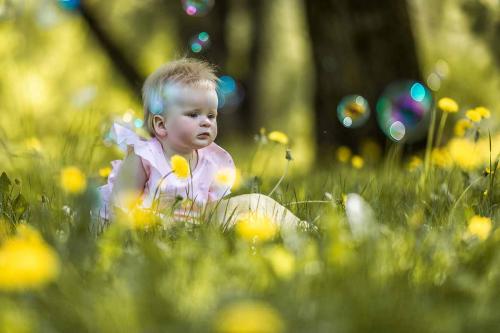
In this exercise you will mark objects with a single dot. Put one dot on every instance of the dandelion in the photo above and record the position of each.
(282, 261)
(249, 316)
(461, 127)
(414, 163)
(278, 137)
(441, 158)
(255, 226)
(357, 162)
(228, 177)
(479, 226)
(73, 180)
(448, 105)
(33, 144)
(371, 151)
(343, 154)
(104, 172)
(27, 262)
(464, 153)
(473, 115)
(180, 166)
(143, 218)
(484, 112)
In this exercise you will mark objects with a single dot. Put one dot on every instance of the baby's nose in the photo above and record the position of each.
(205, 121)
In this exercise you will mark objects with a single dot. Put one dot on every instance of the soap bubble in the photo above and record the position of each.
(353, 111)
(70, 4)
(229, 92)
(403, 111)
(200, 42)
(197, 7)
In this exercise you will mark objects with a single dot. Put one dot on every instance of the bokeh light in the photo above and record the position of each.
(197, 7)
(403, 111)
(353, 111)
(138, 123)
(230, 93)
(200, 42)
(69, 4)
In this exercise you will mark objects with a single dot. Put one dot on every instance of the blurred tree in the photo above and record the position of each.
(115, 53)
(358, 47)
(484, 21)
(215, 23)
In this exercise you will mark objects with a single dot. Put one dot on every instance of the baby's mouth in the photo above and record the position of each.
(203, 135)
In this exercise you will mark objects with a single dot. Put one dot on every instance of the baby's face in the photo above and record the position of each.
(191, 116)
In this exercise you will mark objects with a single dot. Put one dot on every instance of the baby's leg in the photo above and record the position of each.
(228, 210)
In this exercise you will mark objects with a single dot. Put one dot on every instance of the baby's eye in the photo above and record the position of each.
(212, 116)
(192, 115)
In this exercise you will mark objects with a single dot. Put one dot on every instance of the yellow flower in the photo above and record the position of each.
(27, 262)
(249, 317)
(228, 177)
(73, 180)
(33, 144)
(473, 115)
(461, 126)
(104, 172)
(282, 261)
(278, 137)
(180, 166)
(441, 158)
(255, 226)
(343, 154)
(464, 153)
(448, 105)
(357, 162)
(484, 112)
(479, 226)
(142, 218)
(414, 163)
(370, 150)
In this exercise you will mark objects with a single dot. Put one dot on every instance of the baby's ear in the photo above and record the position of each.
(160, 125)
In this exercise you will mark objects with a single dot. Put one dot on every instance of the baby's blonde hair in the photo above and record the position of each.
(187, 71)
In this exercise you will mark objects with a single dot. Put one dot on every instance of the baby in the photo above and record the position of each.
(180, 113)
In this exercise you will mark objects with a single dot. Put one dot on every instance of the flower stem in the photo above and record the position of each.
(281, 179)
(442, 122)
(430, 139)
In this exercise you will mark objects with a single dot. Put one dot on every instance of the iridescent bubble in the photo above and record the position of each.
(127, 117)
(197, 7)
(138, 123)
(434, 81)
(200, 42)
(353, 111)
(70, 4)
(84, 96)
(397, 131)
(229, 92)
(403, 111)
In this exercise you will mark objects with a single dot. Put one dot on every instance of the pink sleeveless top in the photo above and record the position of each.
(200, 187)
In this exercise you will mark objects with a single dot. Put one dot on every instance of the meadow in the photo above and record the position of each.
(388, 242)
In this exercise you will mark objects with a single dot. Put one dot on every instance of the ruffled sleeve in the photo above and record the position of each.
(224, 172)
(126, 139)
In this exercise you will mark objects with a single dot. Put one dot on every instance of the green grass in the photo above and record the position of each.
(415, 272)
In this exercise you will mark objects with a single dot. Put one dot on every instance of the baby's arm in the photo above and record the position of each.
(130, 181)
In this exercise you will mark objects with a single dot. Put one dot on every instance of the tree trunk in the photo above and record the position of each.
(117, 57)
(359, 46)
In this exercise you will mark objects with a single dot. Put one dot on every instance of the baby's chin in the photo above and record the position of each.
(198, 144)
